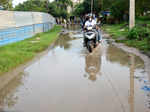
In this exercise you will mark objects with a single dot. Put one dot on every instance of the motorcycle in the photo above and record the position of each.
(90, 38)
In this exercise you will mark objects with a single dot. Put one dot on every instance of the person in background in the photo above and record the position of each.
(65, 23)
(99, 37)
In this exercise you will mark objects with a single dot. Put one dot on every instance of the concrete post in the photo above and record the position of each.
(132, 14)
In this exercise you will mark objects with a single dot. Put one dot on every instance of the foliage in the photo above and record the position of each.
(139, 33)
(79, 10)
(63, 4)
(118, 11)
(142, 6)
(119, 8)
(14, 54)
(85, 7)
(133, 34)
(138, 37)
(32, 5)
(7, 4)
(57, 8)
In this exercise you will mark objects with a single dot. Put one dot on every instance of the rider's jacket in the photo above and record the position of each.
(90, 23)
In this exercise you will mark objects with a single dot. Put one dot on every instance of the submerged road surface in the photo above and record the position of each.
(69, 79)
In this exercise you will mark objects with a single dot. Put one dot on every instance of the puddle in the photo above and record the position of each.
(69, 79)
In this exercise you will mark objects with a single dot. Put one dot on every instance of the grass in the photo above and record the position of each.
(118, 31)
(143, 20)
(15, 54)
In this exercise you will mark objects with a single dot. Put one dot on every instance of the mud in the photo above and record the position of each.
(68, 78)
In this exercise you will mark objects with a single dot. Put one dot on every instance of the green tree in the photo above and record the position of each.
(64, 3)
(118, 11)
(57, 8)
(142, 6)
(85, 7)
(31, 5)
(7, 4)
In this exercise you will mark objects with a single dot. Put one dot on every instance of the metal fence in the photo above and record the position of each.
(16, 26)
(20, 33)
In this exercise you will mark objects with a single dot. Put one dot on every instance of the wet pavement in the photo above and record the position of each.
(69, 79)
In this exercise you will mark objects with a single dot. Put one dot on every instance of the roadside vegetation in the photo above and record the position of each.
(15, 54)
(138, 37)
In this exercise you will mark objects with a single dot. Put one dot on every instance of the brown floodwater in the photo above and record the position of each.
(69, 79)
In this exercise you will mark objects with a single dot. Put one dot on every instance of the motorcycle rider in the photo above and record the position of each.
(92, 22)
(89, 22)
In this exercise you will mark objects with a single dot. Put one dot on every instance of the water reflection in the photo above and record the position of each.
(7, 96)
(132, 70)
(93, 65)
(64, 38)
(116, 55)
(63, 41)
(73, 27)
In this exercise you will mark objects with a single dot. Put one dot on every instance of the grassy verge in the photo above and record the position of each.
(116, 31)
(15, 54)
(119, 32)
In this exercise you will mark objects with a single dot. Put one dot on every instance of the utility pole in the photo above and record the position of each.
(132, 14)
(91, 6)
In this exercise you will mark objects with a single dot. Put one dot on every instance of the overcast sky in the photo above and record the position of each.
(16, 2)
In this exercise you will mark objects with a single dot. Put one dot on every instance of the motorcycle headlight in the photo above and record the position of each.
(89, 28)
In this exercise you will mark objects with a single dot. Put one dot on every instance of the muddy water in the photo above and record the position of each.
(69, 79)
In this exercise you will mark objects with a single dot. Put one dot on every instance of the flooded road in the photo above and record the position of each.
(69, 79)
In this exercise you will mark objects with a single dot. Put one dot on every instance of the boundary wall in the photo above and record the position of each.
(16, 26)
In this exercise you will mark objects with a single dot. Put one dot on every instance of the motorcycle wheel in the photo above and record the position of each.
(95, 45)
(89, 46)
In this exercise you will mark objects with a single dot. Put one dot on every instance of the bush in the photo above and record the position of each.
(138, 33)
(133, 34)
